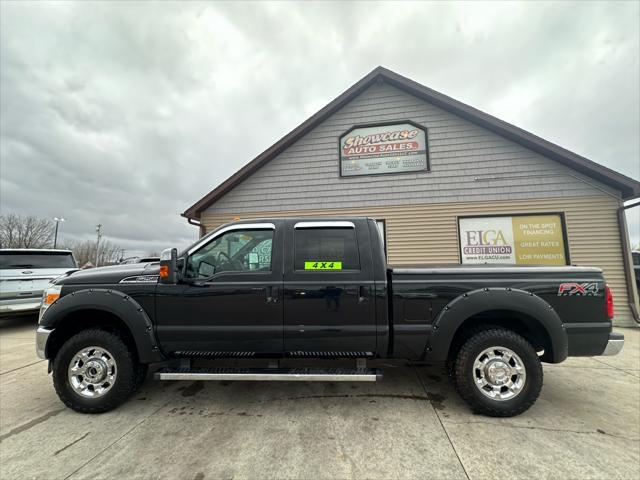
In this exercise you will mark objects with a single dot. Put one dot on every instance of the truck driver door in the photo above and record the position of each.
(229, 302)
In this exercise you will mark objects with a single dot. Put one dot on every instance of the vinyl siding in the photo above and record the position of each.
(427, 233)
(468, 163)
(472, 171)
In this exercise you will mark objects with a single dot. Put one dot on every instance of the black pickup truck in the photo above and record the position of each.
(316, 289)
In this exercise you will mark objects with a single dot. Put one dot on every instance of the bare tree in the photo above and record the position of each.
(17, 231)
(85, 251)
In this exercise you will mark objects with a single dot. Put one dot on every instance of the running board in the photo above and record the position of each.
(272, 374)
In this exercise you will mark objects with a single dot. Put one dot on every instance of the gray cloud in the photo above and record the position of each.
(125, 114)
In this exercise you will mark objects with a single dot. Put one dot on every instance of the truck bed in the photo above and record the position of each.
(421, 293)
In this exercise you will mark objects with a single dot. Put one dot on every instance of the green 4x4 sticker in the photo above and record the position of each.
(323, 265)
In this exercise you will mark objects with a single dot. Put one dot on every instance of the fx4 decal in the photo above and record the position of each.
(579, 289)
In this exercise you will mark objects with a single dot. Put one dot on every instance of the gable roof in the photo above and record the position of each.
(628, 187)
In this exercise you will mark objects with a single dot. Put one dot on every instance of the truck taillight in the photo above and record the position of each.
(608, 298)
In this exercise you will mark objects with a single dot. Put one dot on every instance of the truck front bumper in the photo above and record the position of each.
(42, 336)
(614, 345)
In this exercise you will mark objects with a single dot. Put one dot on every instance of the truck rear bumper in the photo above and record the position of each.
(614, 344)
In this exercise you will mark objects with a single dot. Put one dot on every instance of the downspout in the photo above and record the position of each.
(202, 228)
(629, 276)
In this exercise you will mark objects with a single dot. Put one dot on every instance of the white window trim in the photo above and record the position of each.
(336, 224)
(229, 228)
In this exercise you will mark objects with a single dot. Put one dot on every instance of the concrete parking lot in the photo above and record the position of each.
(586, 424)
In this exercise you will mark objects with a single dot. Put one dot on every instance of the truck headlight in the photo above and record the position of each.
(50, 295)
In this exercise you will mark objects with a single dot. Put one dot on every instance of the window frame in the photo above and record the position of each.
(337, 225)
(219, 233)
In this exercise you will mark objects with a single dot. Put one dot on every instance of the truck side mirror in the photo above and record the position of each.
(169, 266)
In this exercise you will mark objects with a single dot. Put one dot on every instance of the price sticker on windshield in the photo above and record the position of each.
(323, 265)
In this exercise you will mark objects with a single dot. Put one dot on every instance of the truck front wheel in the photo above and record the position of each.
(498, 373)
(94, 371)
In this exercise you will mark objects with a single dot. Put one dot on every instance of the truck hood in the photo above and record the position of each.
(109, 275)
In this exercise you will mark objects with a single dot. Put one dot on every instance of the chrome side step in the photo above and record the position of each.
(272, 374)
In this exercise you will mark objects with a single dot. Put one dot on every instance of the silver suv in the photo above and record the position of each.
(25, 273)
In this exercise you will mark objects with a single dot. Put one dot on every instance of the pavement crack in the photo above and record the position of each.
(547, 429)
(117, 440)
(71, 444)
(613, 366)
(32, 423)
(24, 366)
(437, 405)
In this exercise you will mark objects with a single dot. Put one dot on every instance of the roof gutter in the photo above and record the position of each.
(628, 187)
(192, 221)
(632, 292)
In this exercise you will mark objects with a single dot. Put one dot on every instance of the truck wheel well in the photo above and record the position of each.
(80, 320)
(522, 324)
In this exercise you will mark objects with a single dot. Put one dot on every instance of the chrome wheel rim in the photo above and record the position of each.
(499, 373)
(92, 372)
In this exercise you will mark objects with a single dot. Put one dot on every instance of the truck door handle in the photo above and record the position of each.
(362, 294)
(272, 294)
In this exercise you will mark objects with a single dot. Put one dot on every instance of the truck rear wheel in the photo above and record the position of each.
(141, 375)
(498, 373)
(94, 371)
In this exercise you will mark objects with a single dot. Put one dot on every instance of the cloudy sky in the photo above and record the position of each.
(127, 113)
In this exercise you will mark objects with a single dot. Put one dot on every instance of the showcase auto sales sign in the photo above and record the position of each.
(380, 149)
(518, 239)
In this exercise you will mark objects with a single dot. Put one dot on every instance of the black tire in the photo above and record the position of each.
(128, 371)
(450, 371)
(141, 375)
(465, 374)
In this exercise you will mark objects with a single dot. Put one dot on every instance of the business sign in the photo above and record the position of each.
(517, 239)
(373, 150)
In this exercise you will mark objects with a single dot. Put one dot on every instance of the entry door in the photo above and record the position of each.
(231, 299)
(328, 289)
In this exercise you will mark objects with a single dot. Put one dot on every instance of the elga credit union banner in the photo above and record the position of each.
(383, 149)
(518, 239)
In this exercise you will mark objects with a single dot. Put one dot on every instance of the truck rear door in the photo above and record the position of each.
(328, 285)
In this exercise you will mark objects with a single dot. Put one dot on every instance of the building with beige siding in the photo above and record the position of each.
(448, 183)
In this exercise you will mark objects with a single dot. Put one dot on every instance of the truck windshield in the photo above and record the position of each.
(15, 260)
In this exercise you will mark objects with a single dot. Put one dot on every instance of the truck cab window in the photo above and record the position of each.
(234, 251)
(326, 249)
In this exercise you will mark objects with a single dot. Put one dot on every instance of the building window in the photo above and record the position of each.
(326, 249)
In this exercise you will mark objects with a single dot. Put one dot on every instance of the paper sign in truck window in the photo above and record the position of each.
(323, 265)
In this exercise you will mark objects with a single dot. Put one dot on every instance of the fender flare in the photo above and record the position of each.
(116, 303)
(452, 316)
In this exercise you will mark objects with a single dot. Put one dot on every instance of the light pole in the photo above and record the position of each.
(99, 232)
(55, 237)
